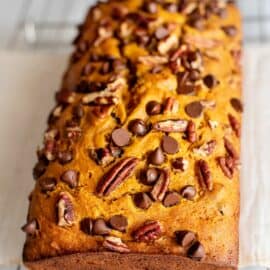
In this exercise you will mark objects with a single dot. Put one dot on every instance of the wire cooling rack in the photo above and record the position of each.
(51, 24)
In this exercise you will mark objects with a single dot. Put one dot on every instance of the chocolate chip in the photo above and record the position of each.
(210, 81)
(188, 192)
(142, 200)
(70, 177)
(161, 33)
(194, 75)
(169, 145)
(185, 238)
(39, 169)
(237, 105)
(153, 108)
(151, 7)
(196, 251)
(86, 225)
(118, 222)
(65, 157)
(171, 199)
(230, 30)
(137, 127)
(150, 176)
(100, 227)
(31, 227)
(194, 109)
(121, 137)
(157, 157)
(185, 82)
(47, 184)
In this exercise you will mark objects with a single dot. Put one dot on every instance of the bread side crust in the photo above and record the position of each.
(115, 261)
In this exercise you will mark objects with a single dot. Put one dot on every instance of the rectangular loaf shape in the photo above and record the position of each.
(140, 163)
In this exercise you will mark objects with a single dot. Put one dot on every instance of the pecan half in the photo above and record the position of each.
(161, 186)
(206, 149)
(116, 175)
(235, 125)
(227, 165)
(204, 175)
(191, 132)
(150, 231)
(115, 244)
(230, 149)
(66, 216)
(178, 125)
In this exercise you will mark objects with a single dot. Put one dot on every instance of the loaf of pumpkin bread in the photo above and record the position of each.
(140, 163)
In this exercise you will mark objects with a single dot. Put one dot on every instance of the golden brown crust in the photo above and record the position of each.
(122, 62)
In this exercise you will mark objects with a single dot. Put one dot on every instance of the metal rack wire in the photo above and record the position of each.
(39, 27)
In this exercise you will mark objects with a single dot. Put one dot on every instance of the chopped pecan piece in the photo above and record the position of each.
(191, 132)
(50, 144)
(102, 156)
(103, 34)
(115, 244)
(208, 104)
(153, 60)
(202, 42)
(116, 175)
(204, 175)
(206, 149)
(171, 42)
(73, 131)
(66, 216)
(31, 227)
(235, 125)
(150, 231)
(161, 186)
(177, 125)
(98, 98)
(180, 164)
(102, 111)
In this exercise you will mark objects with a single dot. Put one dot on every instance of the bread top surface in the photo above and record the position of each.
(127, 55)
